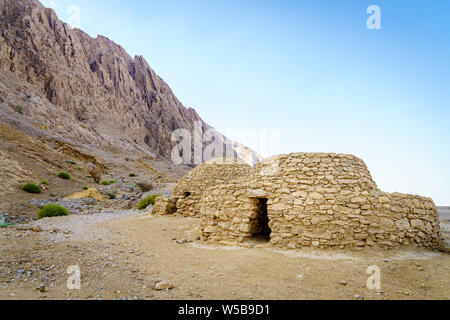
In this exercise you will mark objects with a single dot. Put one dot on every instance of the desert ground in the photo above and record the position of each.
(123, 253)
(128, 254)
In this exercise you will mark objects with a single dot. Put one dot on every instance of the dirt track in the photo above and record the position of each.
(122, 256)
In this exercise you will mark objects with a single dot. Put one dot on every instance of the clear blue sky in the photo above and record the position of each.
(309, 69)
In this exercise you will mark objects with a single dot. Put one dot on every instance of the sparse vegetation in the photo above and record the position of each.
(31, 188)
(108, 182)
(79, 168)
(52, 210)
(44, 182)
(150, 200)
(4, 224)
(132, 175)
(85, 187)
(64, 175)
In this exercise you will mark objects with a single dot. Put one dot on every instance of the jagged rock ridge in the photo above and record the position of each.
(114, 97)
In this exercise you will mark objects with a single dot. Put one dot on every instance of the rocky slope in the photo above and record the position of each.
(87, 91)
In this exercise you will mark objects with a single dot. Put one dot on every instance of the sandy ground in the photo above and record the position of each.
(122, 255)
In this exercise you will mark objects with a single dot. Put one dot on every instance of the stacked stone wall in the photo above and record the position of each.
(191, 187)
(319, 200)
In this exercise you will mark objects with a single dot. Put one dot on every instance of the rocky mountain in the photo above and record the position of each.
(85, 90)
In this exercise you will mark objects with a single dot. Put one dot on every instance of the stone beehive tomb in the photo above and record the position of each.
(305, 200)
(191, 187)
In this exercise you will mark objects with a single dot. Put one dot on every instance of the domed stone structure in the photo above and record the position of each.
(318, 200)
(190, 188)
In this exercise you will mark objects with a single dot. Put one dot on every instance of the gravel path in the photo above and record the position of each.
(132, 255)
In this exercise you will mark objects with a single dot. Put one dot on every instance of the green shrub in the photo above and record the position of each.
(150, 200)
(4, 224)
(31, 188)
(85, 187)
(132, 174)
(44, 182)
(64, 175)
(52, 210)
(108, 182)
(79, 168)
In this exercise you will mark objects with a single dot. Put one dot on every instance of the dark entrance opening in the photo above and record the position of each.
(263, 230)
(187, 194)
